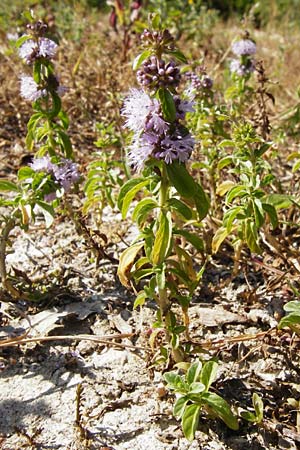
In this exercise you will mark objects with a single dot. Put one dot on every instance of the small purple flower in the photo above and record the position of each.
(47, 48)
(31, 50)
(136, 109)
(183, 107)
(66, 174)
(241, 69)
(139, 152)
(156, 123)
(244, 47)
(30, 90)
(42, 164)
(176, 147)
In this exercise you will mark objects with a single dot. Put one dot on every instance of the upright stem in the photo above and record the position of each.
(163, 197)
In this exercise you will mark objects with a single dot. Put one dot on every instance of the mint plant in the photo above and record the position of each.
(193, 395)
(249, 208)
(52, 173)
(159, 264)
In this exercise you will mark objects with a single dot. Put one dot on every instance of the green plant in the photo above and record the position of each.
(258, 414)
(292, 319)
(193, 395)
(160, 260)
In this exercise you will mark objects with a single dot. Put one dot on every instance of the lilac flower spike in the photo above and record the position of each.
(244, 47)
(30, 89)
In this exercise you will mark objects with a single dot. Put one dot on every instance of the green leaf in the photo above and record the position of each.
(193, 373)
(56, 105)
(141, 58)
(271, 211)
(230, 217)
(186, 186)
(220, 235)
(25, 172)
(167, 104)
(48, 212)
(251, 236)
(201, 201)
(249, 416)
(194, 239)
(161, 277)
(289, 320)
(175, 382)
(221, 408)
(259, 215)
(180, 178)
(155, 21)
(140, 299)
(180, 207)
(196, 388)
(128, 192)
(66, 144)
(279, 201)
(21, 40)
(142, 209)
(208, 374)
(177, 54)
(293, 306)
(163, 239)
(190, 420)
(236, 191)
(37, 71)
(224, 162)
(179, 406)
(6, 185)
(258, 406)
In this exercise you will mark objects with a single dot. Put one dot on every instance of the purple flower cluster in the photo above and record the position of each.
(65, 173)
(244, 47)
(241, 69)
(153, 135)
(31, 91)
(198, 84)
(245, 65)
(32, 50)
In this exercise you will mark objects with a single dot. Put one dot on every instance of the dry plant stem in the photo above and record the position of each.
(106, 340)
(8, 227)
(237, 258)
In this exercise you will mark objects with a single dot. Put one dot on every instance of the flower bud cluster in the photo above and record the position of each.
(155, 73)
(37, 29)
(159, 40)
(199, 82)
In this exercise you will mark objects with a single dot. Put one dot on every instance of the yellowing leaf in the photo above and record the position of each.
(127, 259)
